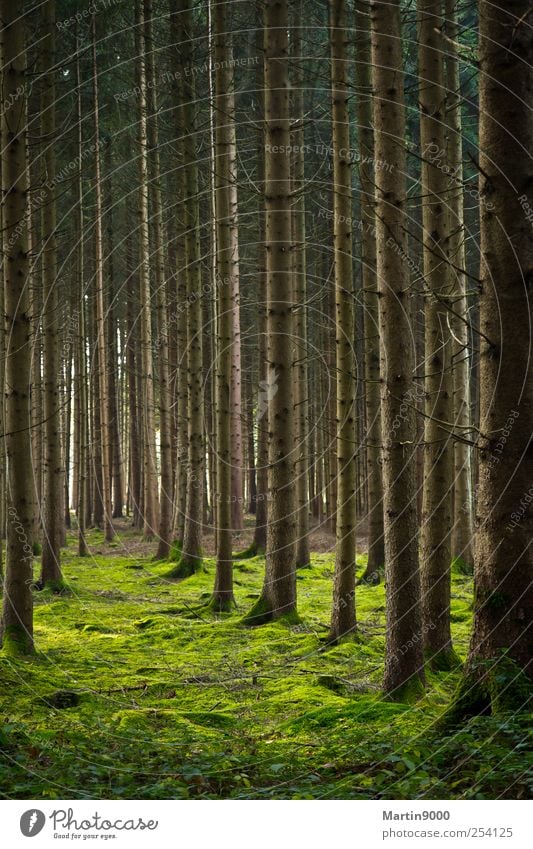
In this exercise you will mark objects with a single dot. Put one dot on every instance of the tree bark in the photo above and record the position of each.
(463, 527)
(499, 666)
(376, 546)
(17, 615)
(278, 598)
(343, 612)
(223, 591)
(101, 341)
(165, 441)
(404, 666)
(436, 519)
(53, 460)
(150, 482)
(303, 555)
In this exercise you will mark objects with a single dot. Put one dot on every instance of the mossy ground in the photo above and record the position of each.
(138, 691)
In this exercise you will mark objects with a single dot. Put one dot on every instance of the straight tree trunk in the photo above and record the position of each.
(499, 670)
(303, 556)
(17, 615)
(261, 416)
(178, 67)
(436, 520)
(165, 442)
(191, 555)
(103, 382)
(223, 591)
(115, 452)
(404, 665)
(343, 612)
(376, 546)
(81, 359)
(53, 460)
(150, 482)
(463, 528)
(278, 598)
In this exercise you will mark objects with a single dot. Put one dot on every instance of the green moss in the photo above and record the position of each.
(230, 712)
(57, 587)
(491, 687)
(253, 550)
(16, 642)
(185, 568)
(461, 566)
(260, 614)
(409, 692)
(443, 661)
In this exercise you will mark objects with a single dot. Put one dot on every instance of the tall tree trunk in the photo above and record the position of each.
(223, 591)
(404, 666)
(53, 460)
(165, 441)
(151, 503)
(303, 556)
(376, 546)
(81, 354)
(103, 381)
(237, 463)
(17, 614)
(115, 452)
(278, 597)
(436, 520)
(260, 530)
(181, 270)
(462, 537)
(499, 669)
(191, 555)
(343, 612)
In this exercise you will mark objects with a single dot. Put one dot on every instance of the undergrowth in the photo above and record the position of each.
(138, 691)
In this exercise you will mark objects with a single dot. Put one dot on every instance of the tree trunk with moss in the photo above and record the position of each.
(278, 598)
(404, 665)
(343, 611)
(436, 519)
(363, 77)
(17, 615)
(53, 460)
(499, 669)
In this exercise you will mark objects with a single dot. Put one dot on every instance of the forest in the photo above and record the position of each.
(266, 399)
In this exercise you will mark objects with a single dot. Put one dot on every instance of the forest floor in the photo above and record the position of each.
(134, 694)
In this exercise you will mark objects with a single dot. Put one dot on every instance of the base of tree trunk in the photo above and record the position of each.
(16, 642)
(443, 661)
(221, 603)
(371, 576)
(407, 693)
(163, 550)
(262, 613)
(489, 688)
(53, 585)
(253, 550)
(186, 567)
(333, 639)
(305, 563)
